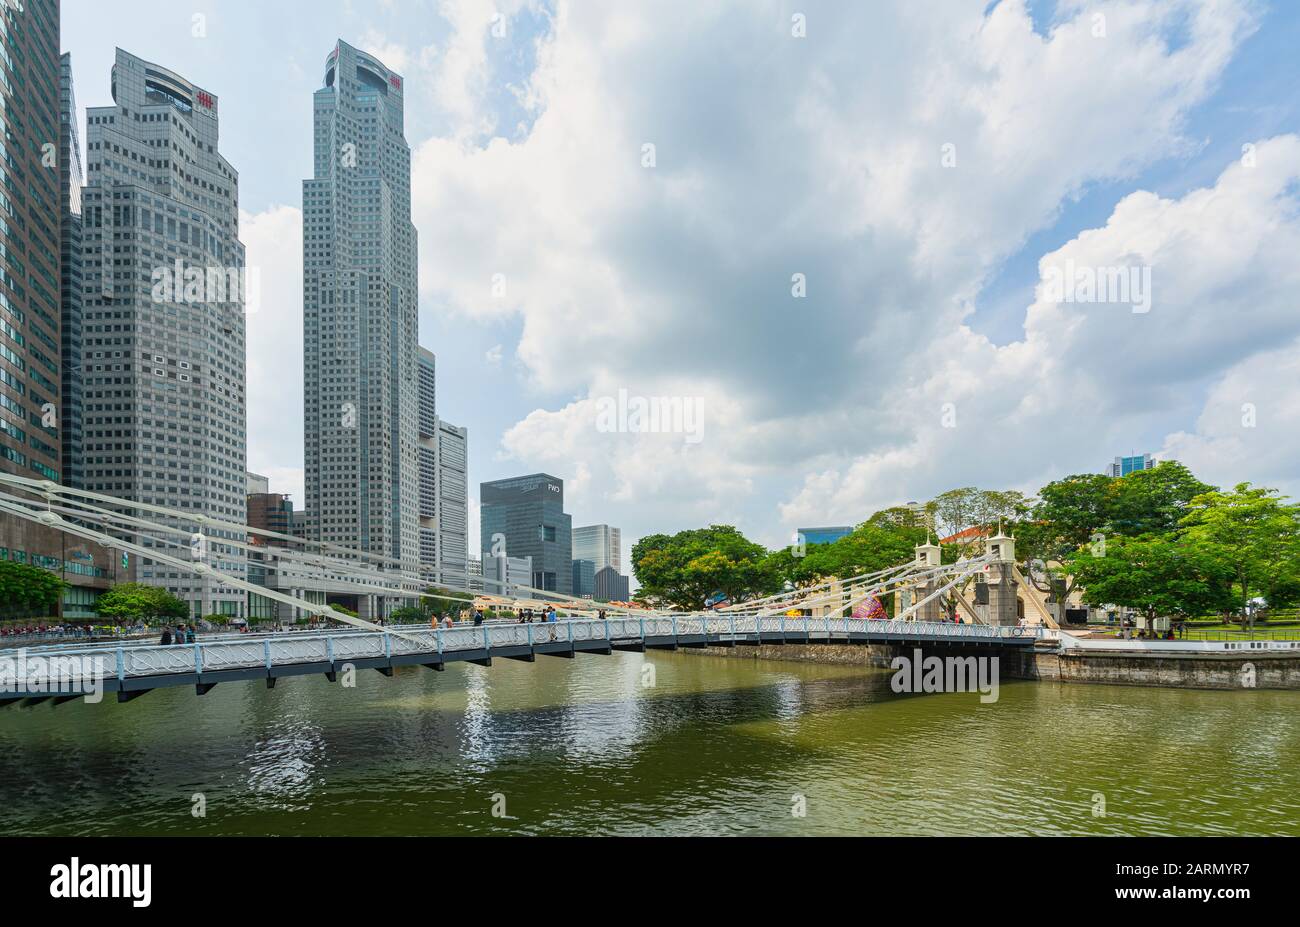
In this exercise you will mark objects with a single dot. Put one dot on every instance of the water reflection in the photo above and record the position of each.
(715, 745)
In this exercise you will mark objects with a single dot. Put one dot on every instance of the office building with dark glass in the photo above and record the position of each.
(524, 517)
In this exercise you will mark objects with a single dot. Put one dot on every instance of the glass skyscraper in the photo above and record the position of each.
(360, 321)
(524, 517)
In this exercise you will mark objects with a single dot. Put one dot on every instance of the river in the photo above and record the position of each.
(697, 745)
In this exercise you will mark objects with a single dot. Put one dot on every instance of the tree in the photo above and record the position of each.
(27, 591)
(1152, 501)
(1255, 533)
(1154, 574)
(686, 568)
(137, 601)
(959, 509)
(448, 602)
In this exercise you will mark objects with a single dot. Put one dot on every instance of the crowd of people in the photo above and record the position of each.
(184, 634)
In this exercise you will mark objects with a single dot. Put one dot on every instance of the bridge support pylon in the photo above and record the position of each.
(1002, 580)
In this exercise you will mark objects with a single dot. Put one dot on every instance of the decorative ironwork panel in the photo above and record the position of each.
(152, 661)
(305, 650)
(233, 655)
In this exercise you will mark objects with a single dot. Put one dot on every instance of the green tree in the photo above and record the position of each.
(1156, 575)
(1255, 533)
(137, 601)
(686, 568)
(1152, 501)
(28, 591)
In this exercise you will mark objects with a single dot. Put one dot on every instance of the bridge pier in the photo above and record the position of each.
(1003, 606)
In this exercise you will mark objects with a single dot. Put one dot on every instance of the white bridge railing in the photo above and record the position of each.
(126, 661)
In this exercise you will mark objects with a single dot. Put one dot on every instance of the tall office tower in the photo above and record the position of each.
(600, 544)
(29, 243)
(70, 180)
(452, 467)
(361, 430)
(524, 517)
(163, 415)
(35, 176)
(444, 487)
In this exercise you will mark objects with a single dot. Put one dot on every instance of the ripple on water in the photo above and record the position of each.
(709, 746)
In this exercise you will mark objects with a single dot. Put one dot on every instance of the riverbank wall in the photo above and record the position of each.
(1229, 670)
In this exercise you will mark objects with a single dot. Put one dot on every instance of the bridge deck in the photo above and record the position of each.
(130, 670)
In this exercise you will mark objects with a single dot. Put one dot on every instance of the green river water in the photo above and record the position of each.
(714, 746)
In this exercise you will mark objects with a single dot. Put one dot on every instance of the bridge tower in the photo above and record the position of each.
(928, 556)
(1001, 579)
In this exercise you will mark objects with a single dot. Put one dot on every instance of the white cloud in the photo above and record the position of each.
(273, 245)
(823, 156)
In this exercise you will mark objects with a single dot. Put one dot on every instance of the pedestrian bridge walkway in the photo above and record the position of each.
(67, 672)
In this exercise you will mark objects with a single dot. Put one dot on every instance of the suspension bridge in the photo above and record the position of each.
(831, 612)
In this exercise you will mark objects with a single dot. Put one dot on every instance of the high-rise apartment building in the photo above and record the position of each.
(360, 324)
(444, 487)
(600, 544)
(524, 517)
(162, 359)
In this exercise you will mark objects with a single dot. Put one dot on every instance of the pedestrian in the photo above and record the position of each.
(166, 636)
(190, 636)
(478, 617)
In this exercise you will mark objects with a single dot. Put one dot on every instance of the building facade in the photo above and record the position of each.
(824, 535)
(30, 231)
(70, 277)
(40, 191)
(360, 323)
(503, 575)
(444, 487)
(524, 517)
(601, 544)
(611, 586)
(1123, 466)
(162, 361)
(584, 577)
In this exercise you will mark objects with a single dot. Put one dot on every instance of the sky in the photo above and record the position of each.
(829, 237)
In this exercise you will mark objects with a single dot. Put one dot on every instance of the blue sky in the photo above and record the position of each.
(777, 155)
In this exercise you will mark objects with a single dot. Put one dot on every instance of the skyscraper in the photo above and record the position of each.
(600, 544)
(524, 517)
(360, 324)
(163, 318)
(30, 309)
(444, 487)
(40, 187)
(70, 278)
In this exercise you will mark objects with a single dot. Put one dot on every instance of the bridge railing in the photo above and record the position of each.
(339, 647)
